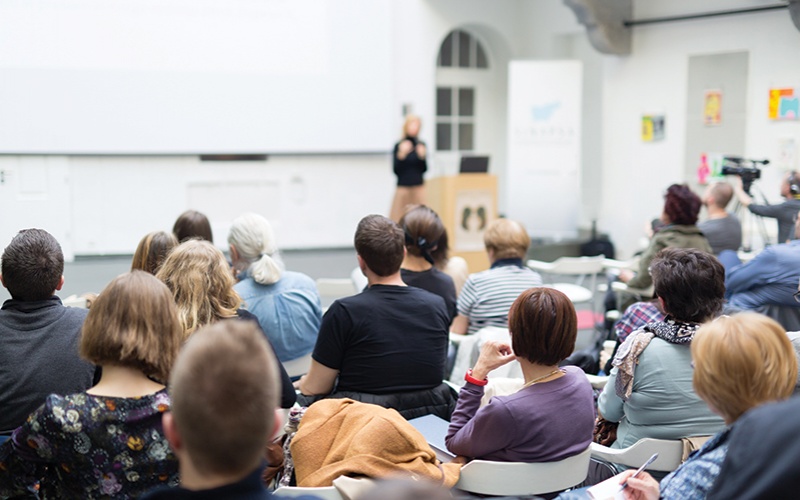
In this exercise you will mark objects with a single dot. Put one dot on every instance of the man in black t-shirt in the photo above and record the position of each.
(389, 339)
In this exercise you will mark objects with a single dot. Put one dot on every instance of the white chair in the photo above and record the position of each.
(322, 492)
(620, 287)
(298, 367)
(335, 288)
(517, 478)
(597, 381)
(582, 267)
(469, 348)
(75, 301)
(359, 280)
(670, 454)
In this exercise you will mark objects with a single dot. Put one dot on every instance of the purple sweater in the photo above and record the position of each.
(541, 423)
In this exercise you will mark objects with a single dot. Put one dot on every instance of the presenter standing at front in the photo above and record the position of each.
(409, 166)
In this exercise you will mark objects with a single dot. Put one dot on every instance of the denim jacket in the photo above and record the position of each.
(289, 312)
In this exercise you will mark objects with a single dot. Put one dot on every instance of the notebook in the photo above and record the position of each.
(434, 429)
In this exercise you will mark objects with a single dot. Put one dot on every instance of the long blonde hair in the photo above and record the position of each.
(201, 282)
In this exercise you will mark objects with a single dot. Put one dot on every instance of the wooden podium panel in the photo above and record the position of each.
(466, 203)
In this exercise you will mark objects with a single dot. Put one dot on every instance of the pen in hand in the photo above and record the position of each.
(639, 470)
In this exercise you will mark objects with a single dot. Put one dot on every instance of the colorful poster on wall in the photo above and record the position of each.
(652, 128)
(784, 104)
(712, 107)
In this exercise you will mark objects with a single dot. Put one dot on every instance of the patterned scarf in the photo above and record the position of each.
(627, 357)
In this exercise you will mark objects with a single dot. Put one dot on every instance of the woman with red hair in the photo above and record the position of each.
(681, 208)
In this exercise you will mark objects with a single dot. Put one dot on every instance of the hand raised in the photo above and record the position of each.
(404, 148)
(494, 354)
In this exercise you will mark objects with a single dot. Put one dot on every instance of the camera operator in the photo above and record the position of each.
(785, 213)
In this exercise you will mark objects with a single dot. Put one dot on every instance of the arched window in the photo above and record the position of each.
(455, 104)
(462, 50)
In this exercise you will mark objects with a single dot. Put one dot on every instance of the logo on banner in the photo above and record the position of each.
(544, 128)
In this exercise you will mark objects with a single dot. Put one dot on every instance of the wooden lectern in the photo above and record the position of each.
(466, 203)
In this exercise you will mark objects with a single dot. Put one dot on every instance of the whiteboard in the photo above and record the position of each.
(195, 76)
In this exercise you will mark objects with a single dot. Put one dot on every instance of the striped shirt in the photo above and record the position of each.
(487, 296)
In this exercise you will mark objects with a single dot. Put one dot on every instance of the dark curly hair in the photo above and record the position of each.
(681, 205)
(690, 282)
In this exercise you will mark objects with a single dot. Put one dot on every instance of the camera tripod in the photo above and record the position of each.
(751, 221)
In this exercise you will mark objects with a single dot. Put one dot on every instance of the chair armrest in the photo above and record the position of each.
(669, 454)
(619, 286)
(615, 264)
(540, 265)
(597, 381)
(458, 338)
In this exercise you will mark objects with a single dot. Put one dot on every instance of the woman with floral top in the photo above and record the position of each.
(106, 442)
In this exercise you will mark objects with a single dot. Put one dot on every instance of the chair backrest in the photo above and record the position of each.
(516, 478)
(578, 265)
(298, 367)
(469, 349)
(322, 492)
(359, 280)
(670, 454)
(335, 288)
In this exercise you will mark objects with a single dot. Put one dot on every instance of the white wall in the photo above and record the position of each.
(105, 204)
(654, 79)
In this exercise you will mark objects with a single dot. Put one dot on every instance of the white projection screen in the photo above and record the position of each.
(195, 76)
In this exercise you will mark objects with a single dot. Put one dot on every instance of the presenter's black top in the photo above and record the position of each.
(385, 340)
(409, 171)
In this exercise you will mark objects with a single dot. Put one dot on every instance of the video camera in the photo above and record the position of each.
(746, 169)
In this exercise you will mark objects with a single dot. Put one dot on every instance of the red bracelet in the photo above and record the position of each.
(472, 380)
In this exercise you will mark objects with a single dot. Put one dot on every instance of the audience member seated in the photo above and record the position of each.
(769, 279)
(740, 362)
(201, 283)
(763, 459)
(681, 207)
(38, 335)
(225, 389)
(637, 316)
(286, 303)
(152, 251)
(649, 390)
(552, 416)
(722, 229)
(107, 441)
(423, 231)
(387, 345)
(192, 224)
(487, 296)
